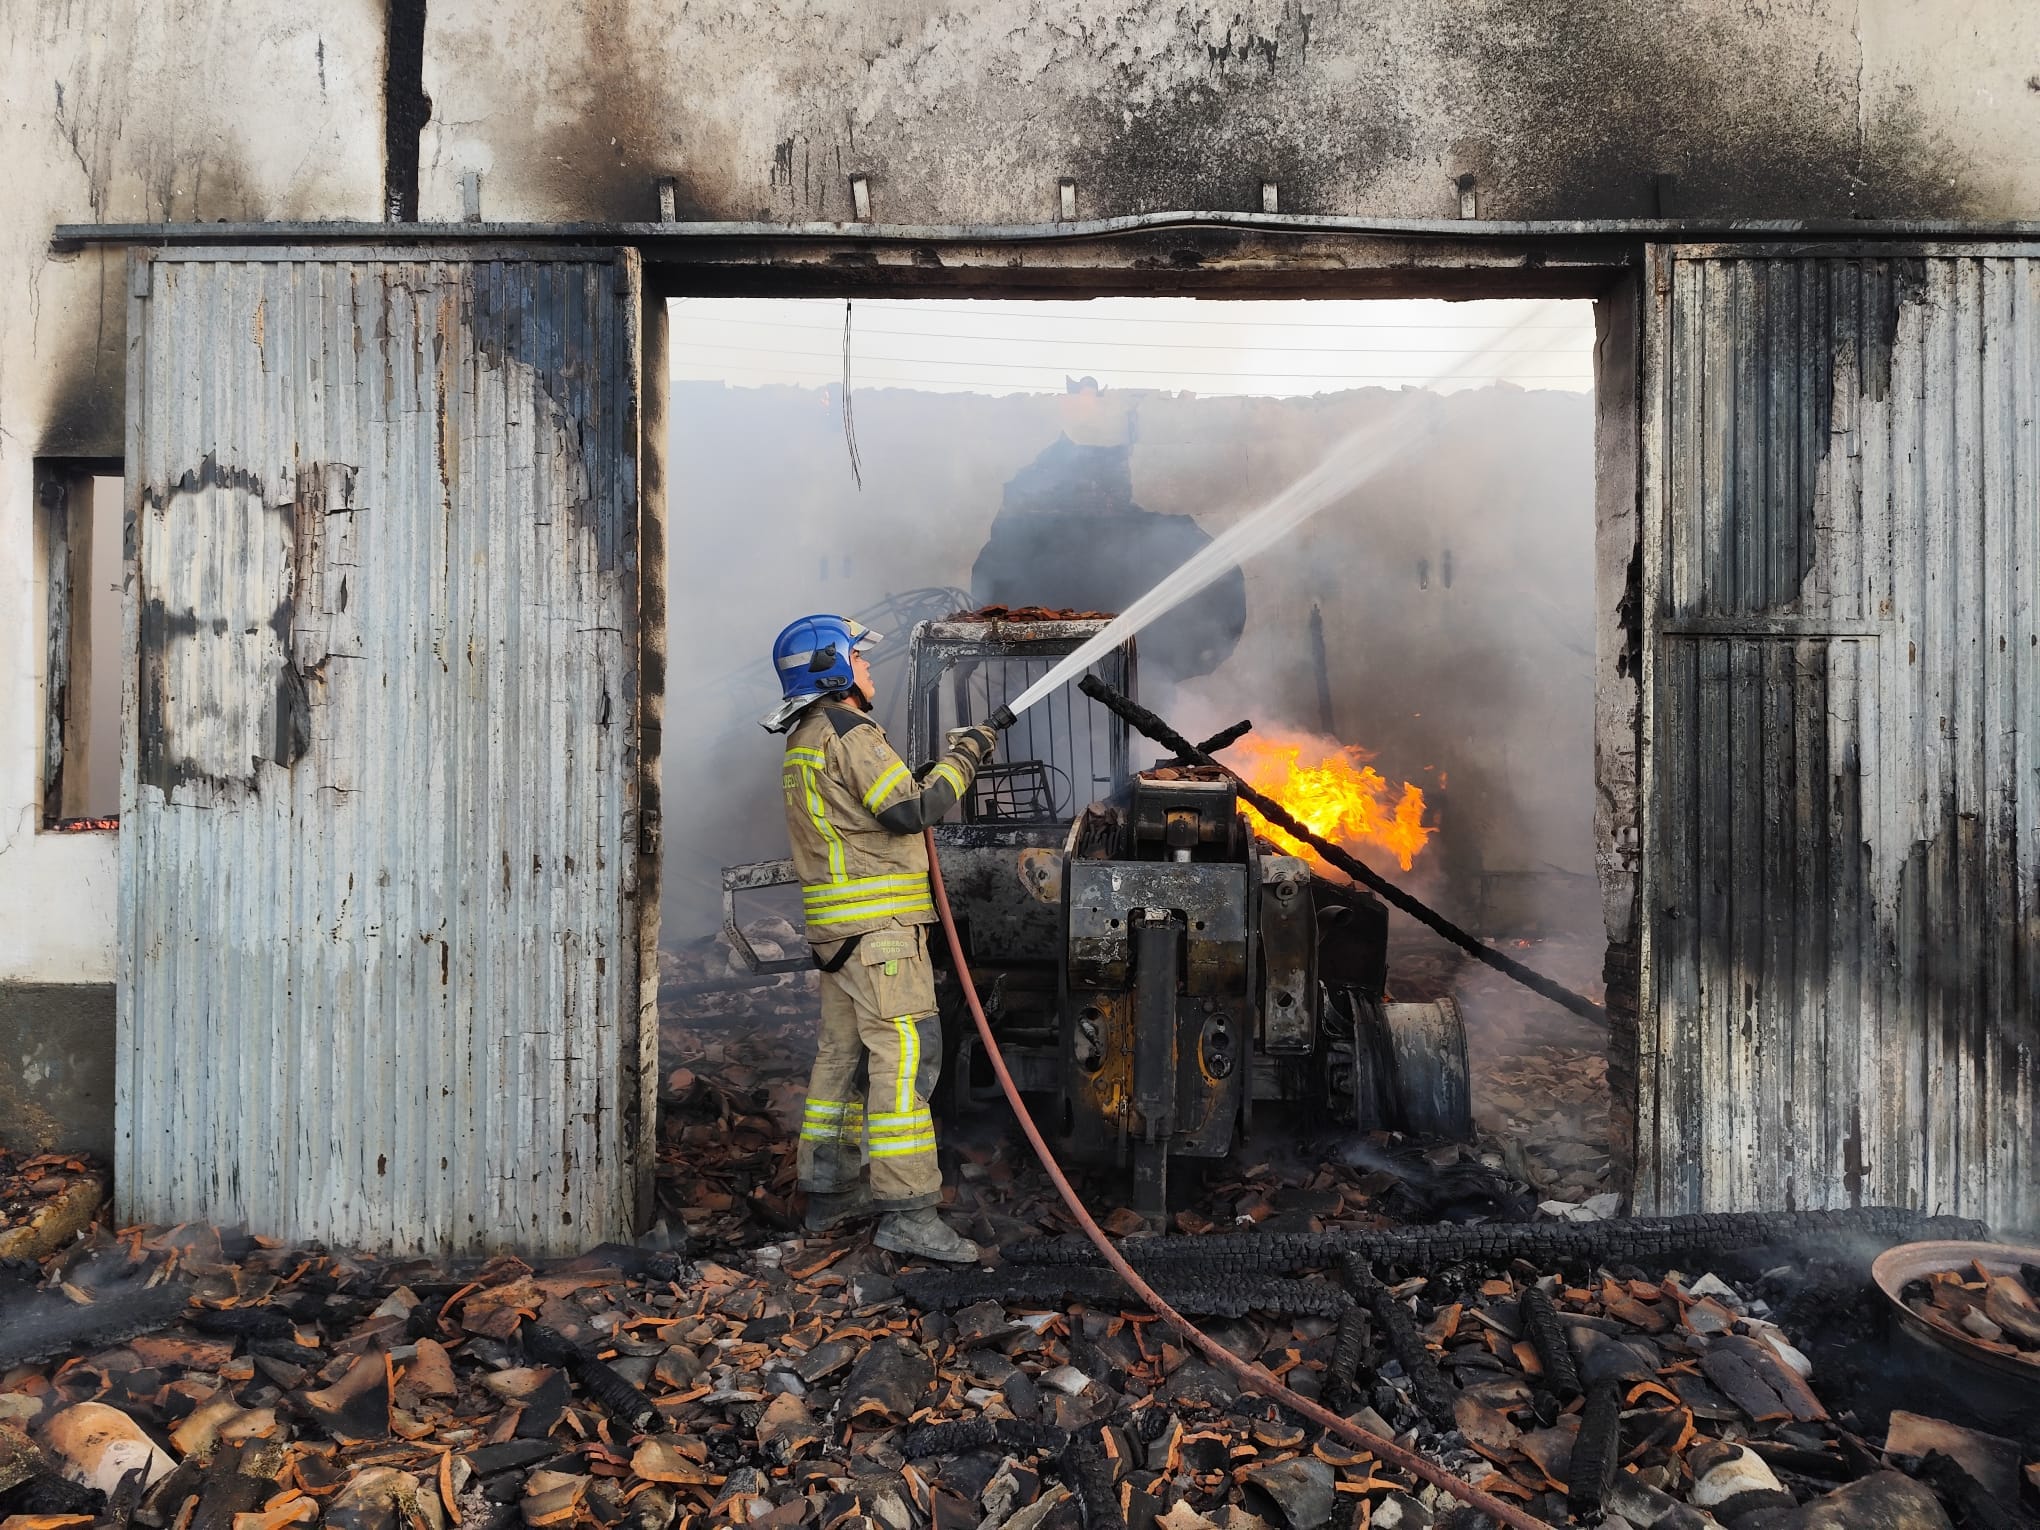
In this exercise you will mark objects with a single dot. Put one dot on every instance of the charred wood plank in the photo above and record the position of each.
(1185, 1286)
(1016, 1436)
(240, 1478)
(48, 1326)
(1643, 1241)
(1349, 1348)
(1436, 1397)
(1547, 1337)
(241, 1322)
(1087, 1473)
(1596, 1452)
(626, 1403)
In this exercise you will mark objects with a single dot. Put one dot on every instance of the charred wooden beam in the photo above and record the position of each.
(1436, 1398)
(1188, 1288)
(1644, 1241)
(1547, 1337)
(1596, 1452)
(1013, 1435)
(1349, 1348)
(46, 1326)
(1225, 738)
(1088, 1475)
(625, 1402)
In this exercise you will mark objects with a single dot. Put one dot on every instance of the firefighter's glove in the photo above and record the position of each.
(980, 740)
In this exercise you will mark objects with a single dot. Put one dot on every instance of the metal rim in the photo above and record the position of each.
(1896, 1267)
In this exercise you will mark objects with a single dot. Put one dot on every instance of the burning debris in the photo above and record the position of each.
(84, 825)
(1335, 791)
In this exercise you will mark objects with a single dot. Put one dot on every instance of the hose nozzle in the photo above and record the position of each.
(1003, 719)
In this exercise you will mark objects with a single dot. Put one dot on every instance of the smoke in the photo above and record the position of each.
(1455, 589)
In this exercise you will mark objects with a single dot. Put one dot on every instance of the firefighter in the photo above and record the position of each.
(854, 814)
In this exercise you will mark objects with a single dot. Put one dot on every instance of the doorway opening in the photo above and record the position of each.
(1421, 649)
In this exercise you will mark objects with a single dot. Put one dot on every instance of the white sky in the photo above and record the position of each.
(1275, 348)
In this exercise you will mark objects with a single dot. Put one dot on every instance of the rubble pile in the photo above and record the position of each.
(731, 1371)
(706, 977)
(45, 1199)
(1539, 1072)
(185, 1379)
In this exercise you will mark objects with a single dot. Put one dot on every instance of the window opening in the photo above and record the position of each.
(79, 504)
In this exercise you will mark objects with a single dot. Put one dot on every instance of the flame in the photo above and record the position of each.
(1334, 792)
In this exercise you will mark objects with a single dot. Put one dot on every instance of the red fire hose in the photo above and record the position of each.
(1252, 1375)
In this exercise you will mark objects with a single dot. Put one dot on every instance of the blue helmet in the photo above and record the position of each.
(812, 659)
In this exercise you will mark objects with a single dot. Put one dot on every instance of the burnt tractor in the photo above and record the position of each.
(1154, 971)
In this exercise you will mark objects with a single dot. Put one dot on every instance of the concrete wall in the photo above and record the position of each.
(964, 113)
(115, 110)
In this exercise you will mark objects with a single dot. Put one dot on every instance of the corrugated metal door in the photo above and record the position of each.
(378, 936)
(1841, 512)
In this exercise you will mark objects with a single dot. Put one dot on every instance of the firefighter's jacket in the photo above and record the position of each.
(854, 814)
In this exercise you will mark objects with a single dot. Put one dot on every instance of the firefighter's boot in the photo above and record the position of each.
(920, 1234)
(827, 1211)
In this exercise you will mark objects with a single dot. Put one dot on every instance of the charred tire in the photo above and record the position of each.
(1429, 1083)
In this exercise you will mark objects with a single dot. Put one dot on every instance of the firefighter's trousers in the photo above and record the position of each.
(876, 1064)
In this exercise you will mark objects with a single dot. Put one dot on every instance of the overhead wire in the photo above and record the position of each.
(1141, 345)
(1033, 366)
(1019, 309)
(1000, 388)
(793, 377)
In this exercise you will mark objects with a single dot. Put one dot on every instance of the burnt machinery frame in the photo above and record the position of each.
(1151, 967)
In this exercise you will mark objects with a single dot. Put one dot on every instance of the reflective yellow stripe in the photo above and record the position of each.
(890, 1123)
(910, 1060)
(893, 775)
(822, 908)
(875, 910)
(903, 1149)
(852, 889)
(818, 814)
(952, 775)
(924, 1128)
(805, 756)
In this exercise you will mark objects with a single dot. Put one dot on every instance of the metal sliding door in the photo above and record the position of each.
(1841, 517)
(379, 966)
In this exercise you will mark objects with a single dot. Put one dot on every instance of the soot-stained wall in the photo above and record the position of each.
(972, 113)
(117, 111)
